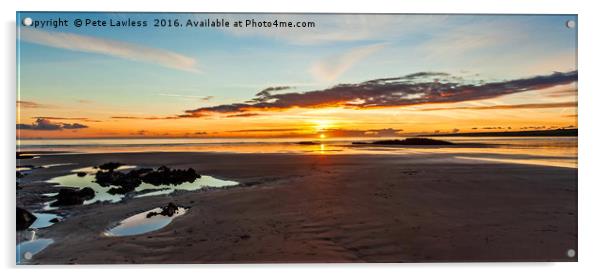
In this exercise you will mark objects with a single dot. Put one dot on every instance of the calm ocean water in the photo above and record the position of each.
(552, 151)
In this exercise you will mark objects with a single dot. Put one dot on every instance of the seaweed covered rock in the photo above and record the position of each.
(413, 141)
(68, 197)
(116, 178)
(110, 166)
(168, 210)
(122, 183)
(165, 176)
(24, 219)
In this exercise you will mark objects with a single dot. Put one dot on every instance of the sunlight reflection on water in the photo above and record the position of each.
(552, 151)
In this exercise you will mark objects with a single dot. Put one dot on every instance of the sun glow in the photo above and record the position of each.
(322, 124)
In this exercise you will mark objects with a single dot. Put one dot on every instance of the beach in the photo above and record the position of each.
(321, 208)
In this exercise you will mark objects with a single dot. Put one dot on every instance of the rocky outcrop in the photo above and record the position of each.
(168, 210)
(69, 197)
(413, 141)
(24, 219)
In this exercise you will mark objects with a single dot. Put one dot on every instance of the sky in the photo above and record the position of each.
(350, 75)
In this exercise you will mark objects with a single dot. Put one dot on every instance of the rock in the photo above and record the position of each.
(165, 176)
(55, 220)
(168, 210)
(87, 193)
(107, 178)
(68, 197)
(81, 174)
(110, 166)
(127, 182)
(151, 214)
(413, 141)
(24, 219)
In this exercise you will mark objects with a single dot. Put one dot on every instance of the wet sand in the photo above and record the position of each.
(320, 208)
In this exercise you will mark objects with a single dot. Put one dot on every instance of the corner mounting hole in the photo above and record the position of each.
(571, 24)
(571, 253)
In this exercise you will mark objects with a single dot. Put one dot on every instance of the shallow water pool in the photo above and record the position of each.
(140, 223)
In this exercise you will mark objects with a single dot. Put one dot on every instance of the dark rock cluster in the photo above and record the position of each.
(126, 182)
(109, 166)
(68, 197)
(24, 219)
(409, 141)
(168, 210)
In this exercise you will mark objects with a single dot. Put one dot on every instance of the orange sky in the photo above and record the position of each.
(558, 111)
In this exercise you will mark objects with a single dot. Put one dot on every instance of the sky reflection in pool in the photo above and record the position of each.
(27, 249)
(43, 220)
(140, 224)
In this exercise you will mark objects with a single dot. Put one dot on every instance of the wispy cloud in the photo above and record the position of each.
(66, 118)
(146, 118)
(562, 93)
(129, 51)
(329, 69)
(508, 107)
(244, 115)
(388, 132)
(266, 130)
(42, 124)
(198, 97)
(413, 89)
(30, 105)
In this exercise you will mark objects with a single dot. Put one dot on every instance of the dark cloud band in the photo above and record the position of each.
(417, 88)
(42, 124)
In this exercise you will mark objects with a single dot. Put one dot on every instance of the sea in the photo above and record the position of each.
(546, 151)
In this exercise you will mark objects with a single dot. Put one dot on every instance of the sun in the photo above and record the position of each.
(322, 136)
(320, 125)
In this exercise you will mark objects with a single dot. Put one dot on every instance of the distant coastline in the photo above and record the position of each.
(538, 133)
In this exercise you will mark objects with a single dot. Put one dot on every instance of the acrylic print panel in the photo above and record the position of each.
(175, 138)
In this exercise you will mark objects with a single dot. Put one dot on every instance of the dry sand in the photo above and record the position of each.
(313, 208)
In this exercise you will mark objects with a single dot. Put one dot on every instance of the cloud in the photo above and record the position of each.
(67, 118)
(413, 89)
(562, 93)
(267, 90)
(508, 107)
(129, 51)
(335, 132)
(388, 132)
(202, 98)
(42, 124)
(146, 118)
(30, 105)
(331, 68)
(244, 115)
(267, 130)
